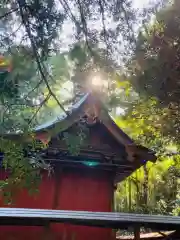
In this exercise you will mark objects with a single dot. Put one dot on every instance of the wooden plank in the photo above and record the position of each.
(36, 217)
(151, 235)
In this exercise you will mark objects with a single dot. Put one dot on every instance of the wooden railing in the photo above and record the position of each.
(37, 217)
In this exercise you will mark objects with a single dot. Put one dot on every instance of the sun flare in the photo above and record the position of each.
(99, 82)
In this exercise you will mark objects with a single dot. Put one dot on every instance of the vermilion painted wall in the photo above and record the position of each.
(69, 190)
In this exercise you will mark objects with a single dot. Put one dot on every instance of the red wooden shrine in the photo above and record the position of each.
(80, 182)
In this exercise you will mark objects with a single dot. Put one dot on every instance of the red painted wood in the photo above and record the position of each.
(86, 190)
(41, 201)
(89, 192)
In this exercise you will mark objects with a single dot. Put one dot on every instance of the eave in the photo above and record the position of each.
(90, 103)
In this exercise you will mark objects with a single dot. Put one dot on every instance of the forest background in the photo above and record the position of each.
(129, 53)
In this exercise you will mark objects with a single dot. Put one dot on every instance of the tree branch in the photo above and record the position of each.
(165, 236)
(28, 30)
(104, 27)
(127, 22)
(8, 13)
(69, 13)
(38, 109)
(84, 28)
(10, 35)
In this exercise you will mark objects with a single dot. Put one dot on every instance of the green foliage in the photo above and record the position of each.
(75, 140)
(155, 72)
(78, 54)
(73, 143)
(31, 93)
(22, 174)
(23, 71)
(155, 65)
(162, 190)
(153, 188)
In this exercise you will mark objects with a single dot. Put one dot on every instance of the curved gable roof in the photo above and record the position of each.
(93, 103)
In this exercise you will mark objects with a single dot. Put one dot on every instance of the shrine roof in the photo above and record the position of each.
(91, 110)
(78, 110)
(90, 105)
(62, 116)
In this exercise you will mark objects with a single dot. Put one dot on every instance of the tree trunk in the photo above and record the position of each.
(145, 189)
(130, 196)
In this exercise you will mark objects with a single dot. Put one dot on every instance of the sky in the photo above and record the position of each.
(68, 27)
(140, 3)
(68, 30)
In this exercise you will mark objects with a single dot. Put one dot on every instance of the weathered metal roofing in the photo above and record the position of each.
(37, 217)
(62, 116)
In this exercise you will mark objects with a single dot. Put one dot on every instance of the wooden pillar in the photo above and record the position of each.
(137, 233)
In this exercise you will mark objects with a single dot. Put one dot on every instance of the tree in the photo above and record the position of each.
(37, 38)
(41, 34)
(154, 188)
(155, 65)
(157, 196)
(154, 69)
